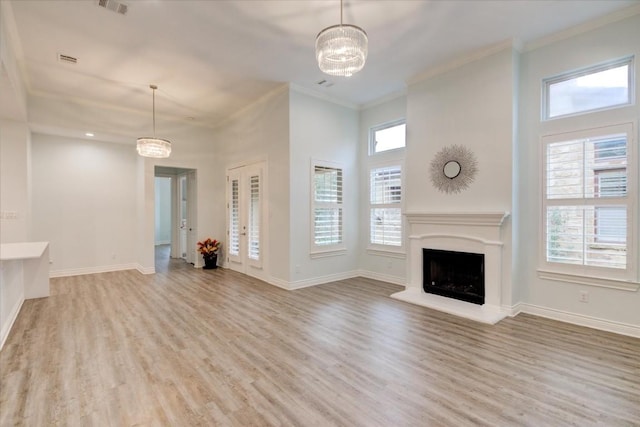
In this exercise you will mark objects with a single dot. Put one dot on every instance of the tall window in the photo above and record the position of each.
(234, 219)
(587, 200)
(385, 206)
(253, 249)
(327, 207)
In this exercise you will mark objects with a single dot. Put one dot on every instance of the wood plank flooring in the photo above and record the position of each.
(188, 347)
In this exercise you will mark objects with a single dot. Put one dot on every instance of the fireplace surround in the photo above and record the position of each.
(479, 233)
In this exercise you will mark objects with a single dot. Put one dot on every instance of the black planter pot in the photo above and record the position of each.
(210, 262)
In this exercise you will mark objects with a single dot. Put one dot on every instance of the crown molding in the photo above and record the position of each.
(464, 60)
(322, 96)
(583, 28)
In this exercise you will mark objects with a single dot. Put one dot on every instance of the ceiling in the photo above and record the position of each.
(213, 58)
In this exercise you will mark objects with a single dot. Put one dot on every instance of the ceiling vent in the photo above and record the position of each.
(68, 59)
(114, 6)
(324, 83)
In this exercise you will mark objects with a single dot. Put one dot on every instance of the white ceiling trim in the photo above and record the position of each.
(583, 28)
(463, 60)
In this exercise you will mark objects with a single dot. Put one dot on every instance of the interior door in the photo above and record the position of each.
(244, 218)
(192, 255)
(182, 208)
(187, 214)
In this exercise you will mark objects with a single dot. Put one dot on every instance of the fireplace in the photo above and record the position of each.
(453, 274)
(475, 233)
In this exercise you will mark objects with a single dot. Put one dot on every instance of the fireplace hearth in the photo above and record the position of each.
(454, 274)
(478, 233)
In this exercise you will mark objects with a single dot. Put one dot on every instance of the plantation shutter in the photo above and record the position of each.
(385, 200)
(327, 205)
(234, 220)
(254, 217)
(587, 201)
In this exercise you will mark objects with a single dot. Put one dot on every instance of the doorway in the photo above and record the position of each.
(245, 218)
(180, 212)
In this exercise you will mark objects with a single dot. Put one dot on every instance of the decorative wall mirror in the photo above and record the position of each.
(453, 169)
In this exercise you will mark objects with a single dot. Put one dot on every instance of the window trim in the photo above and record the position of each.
(625, 279)
(603, 66)
(321, 251)
(383, 126)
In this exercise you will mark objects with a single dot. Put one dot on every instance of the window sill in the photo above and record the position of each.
(389, 253)
(328, 253)
(624, 285)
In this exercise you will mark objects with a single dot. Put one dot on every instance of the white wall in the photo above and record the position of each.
(325, 131)
(84, 203)
(557, 299)
(15, 143)
(162, 210)
(375, 264)
(192, 147)
(259, 133)
(472, 106)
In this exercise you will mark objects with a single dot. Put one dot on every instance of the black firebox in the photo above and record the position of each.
(458, 275)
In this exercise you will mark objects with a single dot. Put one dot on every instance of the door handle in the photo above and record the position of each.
(243, 234)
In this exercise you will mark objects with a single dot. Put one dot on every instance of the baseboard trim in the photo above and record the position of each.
(6, 329)
(582, 320)
(93, 270)
(299, 284)
(512, 311)
(145, 270)
(383, 277)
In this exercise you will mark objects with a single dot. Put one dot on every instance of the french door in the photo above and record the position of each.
(244, 218)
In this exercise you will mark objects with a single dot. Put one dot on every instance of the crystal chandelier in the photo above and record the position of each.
(341, 50)
(152, 146)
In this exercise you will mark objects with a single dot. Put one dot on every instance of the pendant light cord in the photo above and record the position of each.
(153, 88)
(341, 13)
(154, 112)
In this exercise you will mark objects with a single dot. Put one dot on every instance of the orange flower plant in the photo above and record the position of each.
(208, 247)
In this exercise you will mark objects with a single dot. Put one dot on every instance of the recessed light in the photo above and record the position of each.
(89, 134)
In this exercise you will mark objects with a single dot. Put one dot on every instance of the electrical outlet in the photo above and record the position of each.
(584, 296)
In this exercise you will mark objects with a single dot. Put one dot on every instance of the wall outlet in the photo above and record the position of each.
(584, 296)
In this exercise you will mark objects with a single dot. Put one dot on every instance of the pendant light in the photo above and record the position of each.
(152, 146)
(341, 50)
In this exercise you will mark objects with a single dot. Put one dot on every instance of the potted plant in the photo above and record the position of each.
(209, 250)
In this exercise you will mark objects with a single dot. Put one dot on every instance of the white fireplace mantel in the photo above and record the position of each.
(489, 219)
(477, 232)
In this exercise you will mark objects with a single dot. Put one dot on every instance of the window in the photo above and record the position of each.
(594, 88)
(385, 221)
(234, 219)
(389, 136)
(254, 218)
(327, 207)
(587, 200)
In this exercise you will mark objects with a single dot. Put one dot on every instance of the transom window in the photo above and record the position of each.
(386, 137)
(594, 88)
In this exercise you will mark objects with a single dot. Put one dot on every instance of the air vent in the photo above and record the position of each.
(114, 6)
(324, 83)
(68, 59)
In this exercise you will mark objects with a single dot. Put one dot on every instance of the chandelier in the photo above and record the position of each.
(152, 146)
(341, 50)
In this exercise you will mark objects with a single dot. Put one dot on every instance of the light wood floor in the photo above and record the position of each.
(187, 347)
